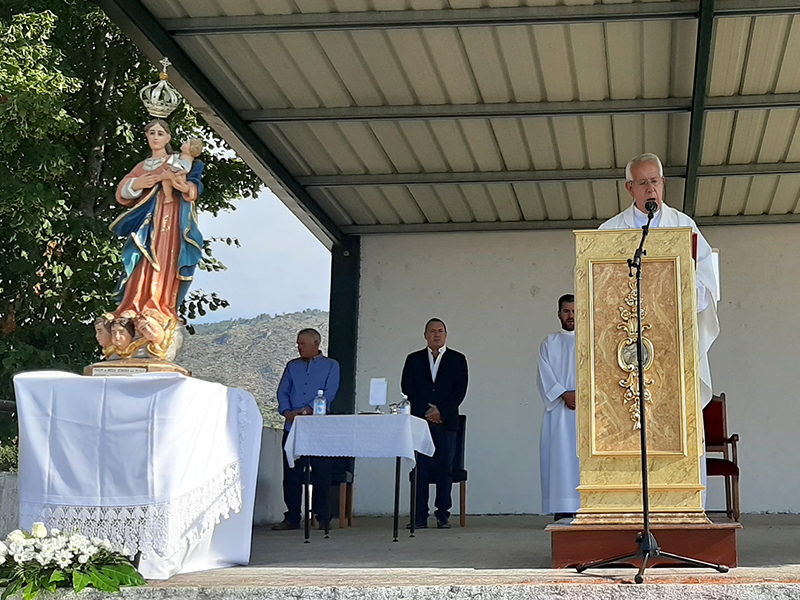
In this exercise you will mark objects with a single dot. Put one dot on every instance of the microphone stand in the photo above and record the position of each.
(646, 544)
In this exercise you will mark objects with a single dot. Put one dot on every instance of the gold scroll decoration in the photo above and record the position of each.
(628, 356)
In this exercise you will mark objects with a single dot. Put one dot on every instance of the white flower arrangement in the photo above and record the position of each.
(42, 560)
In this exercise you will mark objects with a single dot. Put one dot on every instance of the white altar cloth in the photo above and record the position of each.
(376, 436)
(152, 462)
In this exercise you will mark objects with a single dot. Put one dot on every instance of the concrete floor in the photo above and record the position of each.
(491, 550)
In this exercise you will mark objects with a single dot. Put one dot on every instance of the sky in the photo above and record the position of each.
(280, 268)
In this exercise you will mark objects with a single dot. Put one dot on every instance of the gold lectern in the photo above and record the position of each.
(608, 385)
(607, 399)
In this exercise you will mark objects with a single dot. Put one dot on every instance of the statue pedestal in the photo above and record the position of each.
(133, 366)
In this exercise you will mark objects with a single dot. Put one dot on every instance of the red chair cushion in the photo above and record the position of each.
(720, 466)
(713, 424)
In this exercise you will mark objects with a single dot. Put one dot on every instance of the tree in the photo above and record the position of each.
(71, 126)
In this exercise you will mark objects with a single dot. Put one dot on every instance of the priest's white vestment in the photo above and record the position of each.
(707, 277)
(558, 448)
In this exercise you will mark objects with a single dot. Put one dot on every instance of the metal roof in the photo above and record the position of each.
(369, 116)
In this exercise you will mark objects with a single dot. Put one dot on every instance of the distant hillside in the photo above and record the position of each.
(251, 353)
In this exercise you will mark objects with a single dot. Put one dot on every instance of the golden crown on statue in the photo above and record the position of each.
(160, 99)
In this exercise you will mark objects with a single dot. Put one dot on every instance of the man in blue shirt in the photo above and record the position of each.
(302, 378)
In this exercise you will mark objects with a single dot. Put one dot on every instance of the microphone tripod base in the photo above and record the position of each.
(646, 550)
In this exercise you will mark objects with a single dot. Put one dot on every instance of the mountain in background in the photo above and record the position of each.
(251, 353)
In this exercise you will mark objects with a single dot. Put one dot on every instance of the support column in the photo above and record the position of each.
(343, 319)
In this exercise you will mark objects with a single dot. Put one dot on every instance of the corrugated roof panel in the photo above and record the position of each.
(678, 139)
(657, 58)
(480, 203)
(765, 53)
(516, 45)
(539, 135)
(455, 204)
(274, 7)
(748, 131)
(307, 144)
(599, 142)
(727, 55)
(165, 9)
(482, 144)
(404, 204)
(734, 195)
(415, 60)
(624, 44)
(717, 137)
(379, 56)
(588, 45)
(606, 199)
(378, 205)
(396, 147)
(344, 5)
(505, 201)
(674, 192)
(628, 137)
(623, 197)
(759, 198)
(709, 191)
(254, 66)
(793, 155)
(555, 200)
(579, 196)
(429, 203)
(425, 146)
(311, 61)
(511, 141)
(789, 72)
(452, 64)
(362, 140)
(453, 145)
(569, 140)
(283, 149)
(656, 134)
(530, 201)
(779, 130)
(488, 66)
(786, 195)
(282, 68)
(553, 54)
(219, 72)
(331, 206)
(349, 65)
(352, 203)
(684, 43)
(337, 148)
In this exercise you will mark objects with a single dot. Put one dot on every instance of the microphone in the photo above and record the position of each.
(651, 207)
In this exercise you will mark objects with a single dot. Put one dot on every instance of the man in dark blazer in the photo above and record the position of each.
(435, 381)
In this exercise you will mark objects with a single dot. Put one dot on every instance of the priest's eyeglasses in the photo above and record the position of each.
(643, 183)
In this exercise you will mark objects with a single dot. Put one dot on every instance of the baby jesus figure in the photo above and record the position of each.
(179, 165)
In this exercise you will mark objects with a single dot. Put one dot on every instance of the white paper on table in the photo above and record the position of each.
(377, 391)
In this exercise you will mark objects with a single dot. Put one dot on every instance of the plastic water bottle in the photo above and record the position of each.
(404, 408)
(320, 404)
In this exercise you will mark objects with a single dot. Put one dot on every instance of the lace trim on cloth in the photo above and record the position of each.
(244, 421)
(161, 528)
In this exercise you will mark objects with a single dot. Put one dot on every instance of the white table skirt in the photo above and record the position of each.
(153, 462)
(376, 436)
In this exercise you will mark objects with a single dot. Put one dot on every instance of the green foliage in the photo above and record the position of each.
(9, 456)
(53, 560)
(71, 126)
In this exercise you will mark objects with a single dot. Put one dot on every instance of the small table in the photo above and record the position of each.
(361, 436)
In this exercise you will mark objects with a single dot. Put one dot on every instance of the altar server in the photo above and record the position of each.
(558, 449)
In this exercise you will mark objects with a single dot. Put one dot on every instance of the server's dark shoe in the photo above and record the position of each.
(442, 524)
(422, 526)
(285, 526)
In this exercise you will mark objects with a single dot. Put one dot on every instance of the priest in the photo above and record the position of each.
(558, 447)
(645, 182)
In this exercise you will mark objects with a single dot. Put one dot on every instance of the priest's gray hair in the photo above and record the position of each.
(647, 157)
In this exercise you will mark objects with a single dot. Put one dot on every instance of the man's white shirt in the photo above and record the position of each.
(435, 362)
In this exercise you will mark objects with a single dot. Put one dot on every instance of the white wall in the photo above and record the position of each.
(497, 292)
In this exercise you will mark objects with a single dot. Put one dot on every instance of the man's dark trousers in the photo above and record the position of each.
(321, 467)
(437, 469)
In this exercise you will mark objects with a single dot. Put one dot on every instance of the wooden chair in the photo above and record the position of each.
(342, 478)
(715, 425)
